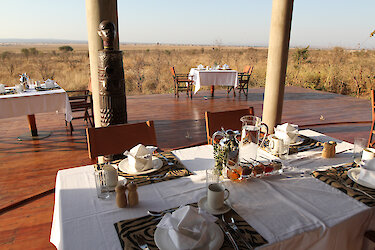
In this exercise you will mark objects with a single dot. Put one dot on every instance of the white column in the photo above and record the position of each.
(97, 11)
(277, 62)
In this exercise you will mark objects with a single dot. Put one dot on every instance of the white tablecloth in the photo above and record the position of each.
(213, 77)
(291, 213)
(33, 102)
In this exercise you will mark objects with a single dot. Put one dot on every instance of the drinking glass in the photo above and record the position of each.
(102, 187)
(250, 138)
(359, 144)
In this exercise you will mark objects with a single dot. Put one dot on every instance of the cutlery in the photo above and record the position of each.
(141, 242)
(233, 225)
(227, 234)
(356, 189)
(157, 214)
(167, 160)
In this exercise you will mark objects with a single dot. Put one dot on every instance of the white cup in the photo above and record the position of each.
(216, 195)
(19, 88)
(368, 154)
(277, 146)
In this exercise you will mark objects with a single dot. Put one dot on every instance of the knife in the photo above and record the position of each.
(228, 234)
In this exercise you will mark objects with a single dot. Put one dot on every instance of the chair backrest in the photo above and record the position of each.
(225, 119)
(116, 139)
(173, 72)
(248, 69)
(79, 99)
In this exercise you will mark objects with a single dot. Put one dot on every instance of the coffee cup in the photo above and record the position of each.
(368, 154)
(277, 145)
(216, 195)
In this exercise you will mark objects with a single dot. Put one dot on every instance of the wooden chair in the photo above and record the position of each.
(81, 101)
(182, 83)
(243, 81)
(116, 139)
(225, 119)
(371, 139)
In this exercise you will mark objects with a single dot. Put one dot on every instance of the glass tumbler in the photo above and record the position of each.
(359, 144)
(102, 187)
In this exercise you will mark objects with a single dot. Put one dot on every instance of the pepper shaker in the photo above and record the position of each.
(121, 196)
(133, 194)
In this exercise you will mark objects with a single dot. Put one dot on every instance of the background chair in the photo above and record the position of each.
(243, 81)
(371, 139)
(116, 139)
(81, 101)
(182, 83)
(225, 119)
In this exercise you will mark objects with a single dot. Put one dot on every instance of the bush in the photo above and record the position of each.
(65, 48)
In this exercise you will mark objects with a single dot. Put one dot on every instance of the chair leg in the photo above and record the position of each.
(370, 139)
(71, 128)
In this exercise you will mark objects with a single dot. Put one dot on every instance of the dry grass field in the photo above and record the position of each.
(147, 66)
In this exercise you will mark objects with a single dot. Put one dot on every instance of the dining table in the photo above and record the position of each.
(32, 101)
(213, 77)
(293, 209)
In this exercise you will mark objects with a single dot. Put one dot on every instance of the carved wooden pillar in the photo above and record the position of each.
(112, 97)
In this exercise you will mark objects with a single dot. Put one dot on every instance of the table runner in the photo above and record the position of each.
(146, 227)
(337, 177)
(176, 171)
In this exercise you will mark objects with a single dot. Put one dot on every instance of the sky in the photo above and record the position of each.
(315, 23)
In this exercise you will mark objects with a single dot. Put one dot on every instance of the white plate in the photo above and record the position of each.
(203, 204)
(164, 242)
(124, 166)
(354, 174)
(298, 142)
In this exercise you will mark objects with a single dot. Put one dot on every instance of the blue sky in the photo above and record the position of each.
(318, 23)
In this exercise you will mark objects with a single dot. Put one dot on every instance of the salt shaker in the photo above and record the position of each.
(329, 150)
(121, 196)
(133, 194)
(111, 173)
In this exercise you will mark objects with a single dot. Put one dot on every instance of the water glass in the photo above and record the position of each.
(359, 145)
(102, 187)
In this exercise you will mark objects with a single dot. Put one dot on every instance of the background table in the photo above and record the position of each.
(213, 77)
(31, 102)
(290, 213)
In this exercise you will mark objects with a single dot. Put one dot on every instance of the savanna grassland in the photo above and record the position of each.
(147, 67)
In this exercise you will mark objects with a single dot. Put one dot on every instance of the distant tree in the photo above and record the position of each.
(65, 48)
(301, 54)
(33, 51)
(25, 52)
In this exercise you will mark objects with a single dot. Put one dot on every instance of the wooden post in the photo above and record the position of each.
(277, 62)
(32, 125)
(97, 11)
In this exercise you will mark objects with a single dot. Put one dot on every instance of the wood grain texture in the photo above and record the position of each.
(28, 168)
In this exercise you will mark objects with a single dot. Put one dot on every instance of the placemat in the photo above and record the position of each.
(146, 226)
(307, 144)
(45, 89)
(338, 178)
(8, 92)
(176, 171)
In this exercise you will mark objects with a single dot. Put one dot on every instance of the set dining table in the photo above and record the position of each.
(294, 209)
(33, 101)
(213, 77)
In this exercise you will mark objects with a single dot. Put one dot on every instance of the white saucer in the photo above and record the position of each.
(298, 142)
(353, 174)
(124, 166)
(203, 204)
(164, 242)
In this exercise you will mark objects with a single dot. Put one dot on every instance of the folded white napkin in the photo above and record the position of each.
(50, 83)
(225, 66)
(367, 172)
(287, 132)
(139, 158)
(2, 88)
(200, 66)
(187, 227)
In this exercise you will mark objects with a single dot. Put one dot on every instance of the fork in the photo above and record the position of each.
(170, 164)
(233, 225)
(356, 189)
(141, 242)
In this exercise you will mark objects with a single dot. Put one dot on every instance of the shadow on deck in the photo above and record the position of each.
(28, 168)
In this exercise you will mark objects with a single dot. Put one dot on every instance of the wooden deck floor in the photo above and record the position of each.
(28, 168)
